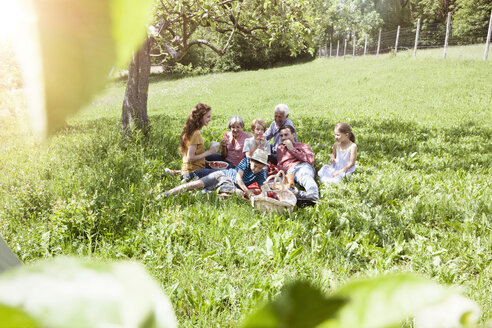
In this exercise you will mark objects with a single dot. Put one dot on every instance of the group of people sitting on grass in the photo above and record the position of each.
(248, 156)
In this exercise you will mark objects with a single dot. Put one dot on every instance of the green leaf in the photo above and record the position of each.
(294, 254)
(67, 48)
(14, 318)
(387, 300)
(129, 18)
(455, 311)
(299, 306)
(68, 292)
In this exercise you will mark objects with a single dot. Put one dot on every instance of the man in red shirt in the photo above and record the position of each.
(298, 158)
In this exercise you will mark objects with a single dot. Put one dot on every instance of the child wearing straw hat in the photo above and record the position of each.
(248, 171)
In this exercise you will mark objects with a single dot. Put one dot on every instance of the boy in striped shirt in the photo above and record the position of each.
(248, 171)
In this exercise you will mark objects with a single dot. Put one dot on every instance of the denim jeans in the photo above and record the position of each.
(304, 175)
(198, 173)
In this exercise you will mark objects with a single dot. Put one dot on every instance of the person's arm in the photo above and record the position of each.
(333, 155)
(193, 157)
(280, 156)
(269, 132)
(261, 177)
(268, 147)
(301, 152)
(246, 147)
(353, 157)
(254, 146)
(223, 146)
(240, 183)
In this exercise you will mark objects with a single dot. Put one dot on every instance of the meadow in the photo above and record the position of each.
(420, 201)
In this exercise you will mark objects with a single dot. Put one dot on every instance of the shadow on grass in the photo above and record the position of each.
(408, 144)
(93, 174)
(166, 76)
(121, 81)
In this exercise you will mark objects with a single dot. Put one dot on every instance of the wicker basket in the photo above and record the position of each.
(287, 199)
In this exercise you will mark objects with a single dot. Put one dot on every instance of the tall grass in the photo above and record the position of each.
(420, 200)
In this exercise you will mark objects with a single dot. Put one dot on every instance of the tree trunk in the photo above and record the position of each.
(134, 112)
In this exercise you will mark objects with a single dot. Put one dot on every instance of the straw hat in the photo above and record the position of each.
(260, 156)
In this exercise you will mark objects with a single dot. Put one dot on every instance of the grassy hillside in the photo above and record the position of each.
(421, 199)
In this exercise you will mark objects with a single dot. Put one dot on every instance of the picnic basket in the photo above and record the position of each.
(286, 198)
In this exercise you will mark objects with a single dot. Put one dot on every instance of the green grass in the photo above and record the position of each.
(475, 51)
(420, 201)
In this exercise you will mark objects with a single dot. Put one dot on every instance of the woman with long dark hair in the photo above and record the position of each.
(191, 145)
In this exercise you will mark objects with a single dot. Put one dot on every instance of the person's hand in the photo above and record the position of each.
(333, 160)
(248, 194)
(337, 173)
(223, 143)
(288, 144)
(214, 147)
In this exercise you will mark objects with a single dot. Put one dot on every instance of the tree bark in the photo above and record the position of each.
(134, 111)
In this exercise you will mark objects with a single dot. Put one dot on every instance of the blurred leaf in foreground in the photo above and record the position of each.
(385, 301)
(455, 311)
(66, 49)
(15, 318)
(299, 306)
(68, 292)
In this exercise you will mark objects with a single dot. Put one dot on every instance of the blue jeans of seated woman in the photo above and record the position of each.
(198, 173)
(218, 157)
(304, 175)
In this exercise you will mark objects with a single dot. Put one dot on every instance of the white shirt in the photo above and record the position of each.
(248, 144)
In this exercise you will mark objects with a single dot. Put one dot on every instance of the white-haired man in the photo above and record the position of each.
(281, 118)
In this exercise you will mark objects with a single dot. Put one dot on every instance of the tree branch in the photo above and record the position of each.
(226, 2)
(171, 51)
(218, 51)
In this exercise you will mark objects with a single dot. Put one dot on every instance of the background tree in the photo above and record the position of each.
(179, 23)
(394, 13)
(339, 19)
(431, 11)
(472, 19)
(134, 113)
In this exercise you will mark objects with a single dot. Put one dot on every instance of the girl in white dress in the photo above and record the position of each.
(343, 156)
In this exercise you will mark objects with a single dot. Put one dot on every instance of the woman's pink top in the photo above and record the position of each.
(235, 147)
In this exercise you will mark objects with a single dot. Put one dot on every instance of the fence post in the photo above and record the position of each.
(447, 36)
(338, 46)
(379, 43)
(397, 37)
(486, 53)
(330, 49)
(345, 49)
(416, 38)
(365, 46)
(353, 46)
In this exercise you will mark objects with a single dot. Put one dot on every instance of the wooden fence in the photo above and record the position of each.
(393, 41)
